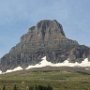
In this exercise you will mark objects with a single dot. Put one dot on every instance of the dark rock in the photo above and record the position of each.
(47, 38)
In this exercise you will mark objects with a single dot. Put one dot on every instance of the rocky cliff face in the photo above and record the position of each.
(47, 38)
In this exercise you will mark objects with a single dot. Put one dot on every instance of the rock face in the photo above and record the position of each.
(47, 38)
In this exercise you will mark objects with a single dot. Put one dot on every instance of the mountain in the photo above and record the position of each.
(48, 39)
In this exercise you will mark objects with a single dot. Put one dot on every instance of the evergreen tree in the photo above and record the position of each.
(15, 87)
(40, 87)
(30, 88)
(4, 87)
(49, 87)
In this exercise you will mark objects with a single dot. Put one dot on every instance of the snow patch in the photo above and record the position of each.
(45, 63)
(13, 70)
(0, 72)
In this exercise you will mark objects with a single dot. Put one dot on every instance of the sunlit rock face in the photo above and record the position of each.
(48, 39)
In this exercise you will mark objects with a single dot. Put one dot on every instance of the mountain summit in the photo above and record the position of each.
(48, 39)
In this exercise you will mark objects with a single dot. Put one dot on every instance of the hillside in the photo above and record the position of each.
(64, 78)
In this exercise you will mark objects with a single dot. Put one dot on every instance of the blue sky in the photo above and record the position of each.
(16, 16)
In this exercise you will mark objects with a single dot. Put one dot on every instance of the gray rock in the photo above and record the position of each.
(47, 38)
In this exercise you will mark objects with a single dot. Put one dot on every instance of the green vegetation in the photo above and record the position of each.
(56, 80)
(15, 87)
(4, 87)
(40, 87)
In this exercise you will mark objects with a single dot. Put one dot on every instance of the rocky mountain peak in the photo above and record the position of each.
(50, 26)
(44, 30)
(48, 39)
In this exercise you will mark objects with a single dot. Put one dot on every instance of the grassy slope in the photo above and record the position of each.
(59, 79)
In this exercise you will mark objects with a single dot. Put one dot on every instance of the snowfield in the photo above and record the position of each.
(13, 70)
(45, 63)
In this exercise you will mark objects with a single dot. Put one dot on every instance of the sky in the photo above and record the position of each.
(16, 16)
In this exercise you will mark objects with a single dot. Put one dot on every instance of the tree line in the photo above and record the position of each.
(35, 87)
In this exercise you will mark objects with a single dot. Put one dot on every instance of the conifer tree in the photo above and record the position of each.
(49, 87)
(15, 87)
(4, 87)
